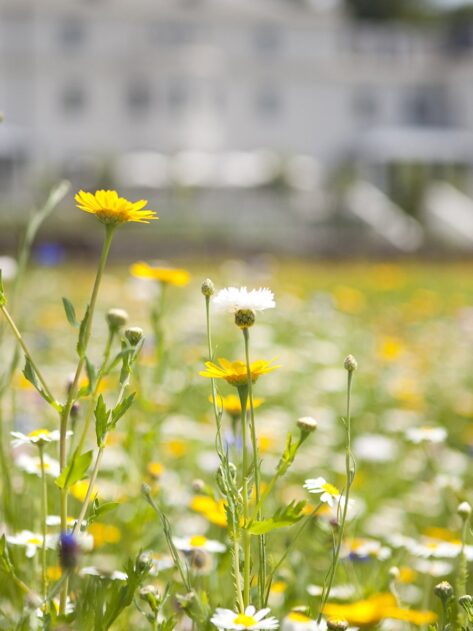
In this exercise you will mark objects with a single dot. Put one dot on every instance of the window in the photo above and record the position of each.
(268, 101)
(71, 33)
(365, 105)
(138, 98)
(267, 39)
(427, 105)
(73, 99)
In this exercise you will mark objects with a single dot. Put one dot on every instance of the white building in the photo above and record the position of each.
(93, 79)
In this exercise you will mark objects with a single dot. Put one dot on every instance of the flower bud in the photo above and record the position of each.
(75, 409)
(144, 562)
(207, 288)
(150, 594)
(337, 625)
(244, 318)
(444, 591)
(134, 334)
(464, 510)
(307, 424)
(350, 363)
(116, 319)
(394, 573)
(198, 485)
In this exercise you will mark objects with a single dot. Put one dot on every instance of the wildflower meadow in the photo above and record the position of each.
(232, 445)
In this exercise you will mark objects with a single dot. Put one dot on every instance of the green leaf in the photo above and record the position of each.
(82, 333)
(5, 562)
(75, 470)
(91, 374)
(101, 509)
(283, 518)
(121, 408)
(102, 416)
(70, 312)
(3, 299)
(30, 375)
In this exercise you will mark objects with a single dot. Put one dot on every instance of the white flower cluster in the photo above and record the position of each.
(232, 299)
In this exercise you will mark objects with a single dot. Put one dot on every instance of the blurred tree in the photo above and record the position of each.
(384, 10)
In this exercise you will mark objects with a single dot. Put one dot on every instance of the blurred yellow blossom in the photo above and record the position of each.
(168, 275)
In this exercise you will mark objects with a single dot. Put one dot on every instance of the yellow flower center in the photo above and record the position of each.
(297, 616)
(38, 432)
(198, 541)
(330, 489)
(34, 540)
(242, 618)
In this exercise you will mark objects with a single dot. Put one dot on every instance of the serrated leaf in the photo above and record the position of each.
(82, 332)
(102, 416)
(121, 408)
(70, 312)
(75, 470)
(283, 518)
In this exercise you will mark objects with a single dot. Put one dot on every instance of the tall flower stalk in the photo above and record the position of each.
(350, 366)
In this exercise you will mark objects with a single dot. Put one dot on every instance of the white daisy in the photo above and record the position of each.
(35, 437)
(116, 575)
(31, 541)
(419, 435)
(227, 619)
(33, 465)
(362, 549)
(329, 494)
(232, 299)
(198, 542)
(338, 592)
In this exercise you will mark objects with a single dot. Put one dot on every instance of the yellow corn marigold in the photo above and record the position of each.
(235, 373)
(231, 403)
(376, 608)
(167, 275)
(111, 209)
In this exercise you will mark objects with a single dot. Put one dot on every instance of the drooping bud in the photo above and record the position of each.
(350, 363)
(198, 485)
(244, 318)
(207, 288)
(116, 319)
(134, 334)
(394, 573)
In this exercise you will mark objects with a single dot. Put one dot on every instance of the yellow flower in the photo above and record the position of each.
(235, 373)
(104, 533)
(168, 275)
(231, 403)
(376, 608)
(111, 209)
(213, 511)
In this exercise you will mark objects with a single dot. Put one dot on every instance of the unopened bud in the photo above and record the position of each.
(150, 594)
(134, 335)
(198, 485)
(444, 591)
(394, 573)
(207, 288)
(116, 319)
(75, 409)
(350, 363)
(244, 318)
(144, 562)
(464, 510)
(337, 625)
(307, 424)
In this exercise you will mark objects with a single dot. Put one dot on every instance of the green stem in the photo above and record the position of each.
(349, 480)
(44, 513)
(261, 539)
(26, 351)
(217, 412)
(64, 417)
(243, 392)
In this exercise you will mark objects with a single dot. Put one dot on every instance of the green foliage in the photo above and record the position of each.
(30, 374)
(75, 470)
(70, 312)
(282, 518)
